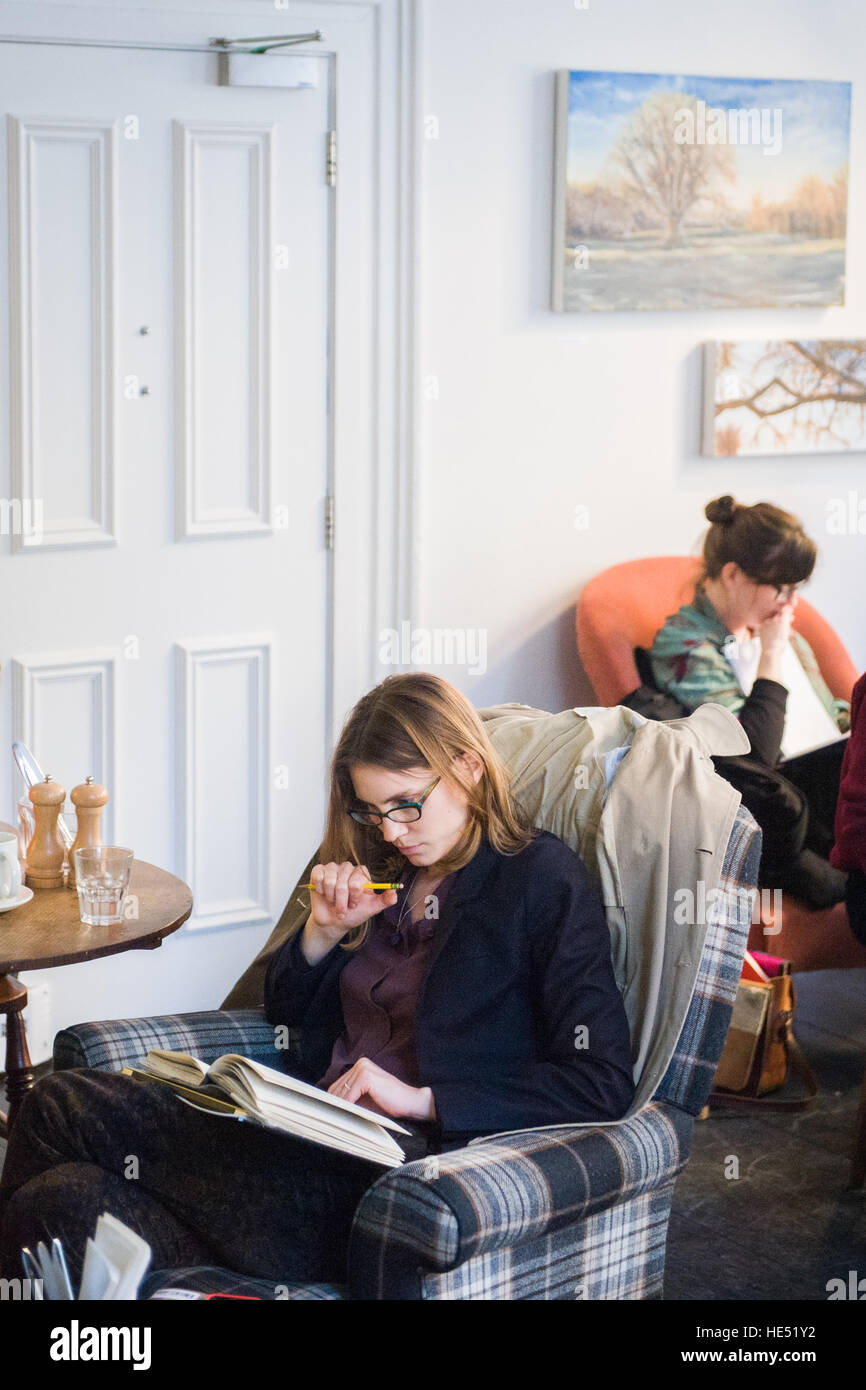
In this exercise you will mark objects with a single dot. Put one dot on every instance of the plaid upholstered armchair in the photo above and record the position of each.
(542, 1214)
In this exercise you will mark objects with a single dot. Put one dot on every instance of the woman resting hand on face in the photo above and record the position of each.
(481, 997)
(734, 644)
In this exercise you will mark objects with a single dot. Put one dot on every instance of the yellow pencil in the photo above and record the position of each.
(366, 885)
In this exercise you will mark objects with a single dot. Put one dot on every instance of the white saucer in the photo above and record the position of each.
(24, 896)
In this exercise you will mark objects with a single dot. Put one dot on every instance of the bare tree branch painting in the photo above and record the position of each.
(789, 396)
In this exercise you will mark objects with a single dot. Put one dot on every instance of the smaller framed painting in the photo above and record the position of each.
(804, 396)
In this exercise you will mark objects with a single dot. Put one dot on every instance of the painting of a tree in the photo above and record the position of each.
(668, 176)
(794, 396)
(690, 192)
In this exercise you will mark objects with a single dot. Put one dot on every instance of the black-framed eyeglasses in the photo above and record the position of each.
(789, 590)
(406, 811)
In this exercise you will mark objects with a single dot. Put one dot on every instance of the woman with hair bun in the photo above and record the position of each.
(734, 645)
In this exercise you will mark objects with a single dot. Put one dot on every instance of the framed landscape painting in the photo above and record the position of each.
(795, 397)
(699, 192)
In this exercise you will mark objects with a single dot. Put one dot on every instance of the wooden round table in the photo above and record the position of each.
(48, 931)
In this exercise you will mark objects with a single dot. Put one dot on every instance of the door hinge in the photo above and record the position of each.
(331, 162)
(329, 523)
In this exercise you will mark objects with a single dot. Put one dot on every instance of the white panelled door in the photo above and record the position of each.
(165, 570)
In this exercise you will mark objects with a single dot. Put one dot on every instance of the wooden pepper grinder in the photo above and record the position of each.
(88, 798)
(45, 851)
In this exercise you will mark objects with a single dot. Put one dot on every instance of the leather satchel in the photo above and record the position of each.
(760, 1049)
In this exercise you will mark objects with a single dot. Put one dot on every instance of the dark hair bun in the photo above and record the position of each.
(721, 511)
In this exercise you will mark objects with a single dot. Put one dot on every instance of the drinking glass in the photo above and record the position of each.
(26, 829)
(102, 878)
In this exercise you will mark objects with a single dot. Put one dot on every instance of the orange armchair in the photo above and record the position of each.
(623, 608)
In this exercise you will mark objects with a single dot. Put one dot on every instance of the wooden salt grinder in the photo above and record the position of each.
(88, 798)
(45, 851)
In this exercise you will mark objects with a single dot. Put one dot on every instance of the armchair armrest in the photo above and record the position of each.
(432, 1215)
(121, 1042)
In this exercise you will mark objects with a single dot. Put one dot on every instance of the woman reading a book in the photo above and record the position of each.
(479, 997)
(734, 644)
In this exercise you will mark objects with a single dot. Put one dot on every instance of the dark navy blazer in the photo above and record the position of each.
(519, 1020)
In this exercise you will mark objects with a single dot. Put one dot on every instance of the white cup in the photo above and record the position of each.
(10, 867)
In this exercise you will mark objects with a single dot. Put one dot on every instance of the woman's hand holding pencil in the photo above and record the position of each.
(342, 896)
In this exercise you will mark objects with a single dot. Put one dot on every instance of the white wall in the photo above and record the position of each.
(539, 412)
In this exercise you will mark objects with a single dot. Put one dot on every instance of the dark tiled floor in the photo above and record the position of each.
(788, 1222)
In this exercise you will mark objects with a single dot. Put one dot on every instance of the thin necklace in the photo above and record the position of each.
(407, 905)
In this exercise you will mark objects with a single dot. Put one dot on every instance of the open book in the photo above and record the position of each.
(266, 1096)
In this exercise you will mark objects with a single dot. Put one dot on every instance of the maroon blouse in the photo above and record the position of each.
(379, 992)
(849, 851)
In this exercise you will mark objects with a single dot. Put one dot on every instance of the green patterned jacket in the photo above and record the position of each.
(688, 662)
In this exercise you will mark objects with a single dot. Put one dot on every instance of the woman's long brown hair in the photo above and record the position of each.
(407, 722)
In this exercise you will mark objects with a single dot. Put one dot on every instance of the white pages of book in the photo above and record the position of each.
(808, 724)
(276, 1098)
(307, 1110)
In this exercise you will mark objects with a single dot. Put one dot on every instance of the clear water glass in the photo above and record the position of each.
(102, 879)
(26, 829)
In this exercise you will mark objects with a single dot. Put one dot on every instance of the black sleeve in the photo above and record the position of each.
(763, 718)
(292, 984)
(583, 1070)
(855, 902)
